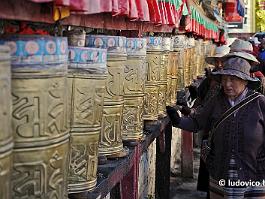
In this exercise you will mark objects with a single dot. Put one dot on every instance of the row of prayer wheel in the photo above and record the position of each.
(63, 106)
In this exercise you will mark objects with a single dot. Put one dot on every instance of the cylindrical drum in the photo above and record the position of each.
(6, 138)
(178, 78)
(197, 58)
(111, 132)
(187, 67)
(193, 64)
(134, 88)
(202, 57)
(162, 82)
(154, 56)
(87, 73)
(39, 119)
(171, 62)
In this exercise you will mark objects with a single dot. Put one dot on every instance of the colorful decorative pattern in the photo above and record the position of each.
(113, 44)
(40, 51)
(88, 58)
(84, 55)
(136, 46)
(154, 43)
(180, 41)
(167, 44)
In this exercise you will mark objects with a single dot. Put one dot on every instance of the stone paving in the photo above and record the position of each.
(186, 188)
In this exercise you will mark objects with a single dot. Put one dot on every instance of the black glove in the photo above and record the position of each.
(173, 115)
(193, 91)
(185, 110)
(181, 98)
(207, 71)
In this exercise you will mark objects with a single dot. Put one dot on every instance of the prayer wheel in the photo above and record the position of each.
(154, 54)
(181, 72)
(197, 57)
(174, 75)
(170, 67)
(178, 72)
(162, 83)
(171, 62)
(6, 137)
(192, 58)
(134, 88)
(39, 119)
(110, 143)
(87, 73)
(187, 69)
(193, 64)
(202, 56)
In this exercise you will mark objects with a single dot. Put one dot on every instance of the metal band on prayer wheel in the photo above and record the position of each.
(111, 132)
(39, 67)
(134, 88)
(154, 55)
(6, 138)
(86, 84)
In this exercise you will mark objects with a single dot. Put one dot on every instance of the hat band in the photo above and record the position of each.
(243, 50)
(238, 71)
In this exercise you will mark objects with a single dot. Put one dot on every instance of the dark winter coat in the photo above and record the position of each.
(242, 135)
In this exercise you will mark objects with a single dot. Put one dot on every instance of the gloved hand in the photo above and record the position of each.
(193, 91)
(207, 71)
(181, 98)
(185, 110)
(173, 115)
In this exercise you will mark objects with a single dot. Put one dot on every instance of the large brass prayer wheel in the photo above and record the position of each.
(174, 76)
(192, 65)
(171, 62)
(202, 57)
(110, 142)
(163, 82)
(87, 73)
(134, 88)
(178, 71)
(186, 67)
(181, 72)
(197, 57)
(6, 138)
(151, 98)
(39, 119)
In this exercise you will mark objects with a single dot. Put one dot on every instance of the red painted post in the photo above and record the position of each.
(187, 154)
(129, 184)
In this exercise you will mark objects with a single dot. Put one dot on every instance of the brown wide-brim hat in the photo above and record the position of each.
(244, 55)
(238, 67)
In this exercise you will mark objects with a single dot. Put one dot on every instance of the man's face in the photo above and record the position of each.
(218, 64)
